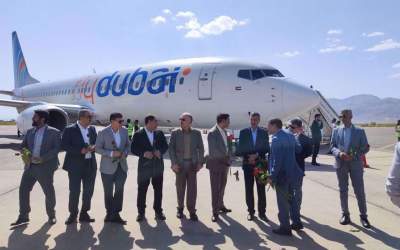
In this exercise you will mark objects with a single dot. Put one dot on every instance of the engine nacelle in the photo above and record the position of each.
(58, 118)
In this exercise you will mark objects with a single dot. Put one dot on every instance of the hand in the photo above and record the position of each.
(36, 160)
(175, 168)
(199, 166)
(157, 154)
(149, 155)
(116, 154)
(345, 157)
(92, 148)
(269, 181)
(84, 150)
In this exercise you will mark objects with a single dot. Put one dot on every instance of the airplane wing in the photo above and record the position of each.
(25, 104)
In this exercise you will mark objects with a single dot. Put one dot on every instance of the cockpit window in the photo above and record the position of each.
(272, 73)
(245, 74)
(256, 74)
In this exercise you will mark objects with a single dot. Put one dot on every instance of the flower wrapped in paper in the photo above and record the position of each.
(26, 155)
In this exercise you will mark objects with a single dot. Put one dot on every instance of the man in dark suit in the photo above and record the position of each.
(149, 144)
(79, 141)
(305, 142)
(218, 162)
(316, 128)
(43, 143)
(253, 146)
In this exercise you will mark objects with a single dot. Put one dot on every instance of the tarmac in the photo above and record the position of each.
(320, 211)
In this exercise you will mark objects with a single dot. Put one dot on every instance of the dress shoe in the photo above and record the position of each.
(140, 217)
(250, 217)
(214, 218)
(193, 217)
(84, 217)
(263, 217)
(225, 210)
(297, 226)
(108, 218)
(160, 216)
(179, 214)
(117, 219)
(71, 219)
(345, 220)
(315, 164)
(20, 221)
(52, 220)
(281, 231)
(365, 223)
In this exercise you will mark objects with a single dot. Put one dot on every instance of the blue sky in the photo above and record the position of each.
(341, 47)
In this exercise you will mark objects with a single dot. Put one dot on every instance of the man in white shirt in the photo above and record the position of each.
(393, 178)
(79, 141)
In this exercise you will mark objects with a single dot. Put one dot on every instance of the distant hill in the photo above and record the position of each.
(369, 108)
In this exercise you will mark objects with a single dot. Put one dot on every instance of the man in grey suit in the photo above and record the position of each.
(113, 145)
(348, 144)
(43, 143)
(218, 162)
(186, 151)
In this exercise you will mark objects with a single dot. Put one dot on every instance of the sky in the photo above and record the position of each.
(341, 47)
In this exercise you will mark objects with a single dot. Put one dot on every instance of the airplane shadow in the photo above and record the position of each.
(158, 237)
(14, 137)
(73, 238)
(37, 240)
(12, 145)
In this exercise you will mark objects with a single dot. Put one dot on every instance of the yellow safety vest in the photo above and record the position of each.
(130, 129)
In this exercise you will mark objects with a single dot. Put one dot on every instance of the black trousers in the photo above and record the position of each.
(316, 145)
(249, 180)
(86, 176)
(156, 178)
(113, 185)
(31, 175)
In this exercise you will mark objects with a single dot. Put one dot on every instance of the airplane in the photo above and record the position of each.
(202, 86)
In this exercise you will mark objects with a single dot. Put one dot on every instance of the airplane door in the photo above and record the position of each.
(205, 82)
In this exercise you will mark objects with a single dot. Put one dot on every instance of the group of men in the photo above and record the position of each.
(285, 156)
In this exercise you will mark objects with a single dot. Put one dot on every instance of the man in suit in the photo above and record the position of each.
(186, 151)
(305, 142)
(253, 146)
(316, 133)
(285, 174)
(348, 144)
(150, 144)
(393, 178)
(79, 141)
(113, 145)
(43, 143)
(218, 162)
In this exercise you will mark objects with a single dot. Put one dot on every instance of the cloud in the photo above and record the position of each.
(373, 34)
(290, 54)
(217, 26)
(397, 65)
(167, 11)
(334, 32)
(387, 44)
(338, 48)
(395, 76)
(158, 20)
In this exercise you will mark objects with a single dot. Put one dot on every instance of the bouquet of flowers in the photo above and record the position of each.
(260, 171)
(230, 140)
(115, 148)
(26, 155)
(353, 153)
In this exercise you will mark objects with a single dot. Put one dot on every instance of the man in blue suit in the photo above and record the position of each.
(285, 174)
(348, 144)
(253, 146)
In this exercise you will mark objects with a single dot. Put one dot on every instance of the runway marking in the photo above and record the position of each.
(353, 196)
(9, 191)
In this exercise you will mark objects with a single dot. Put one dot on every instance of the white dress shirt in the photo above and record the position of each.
(85, 136)
(224, 137)
(37, 144)
(150, 135)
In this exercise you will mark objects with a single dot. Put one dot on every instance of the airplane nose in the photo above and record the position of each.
(298, 98)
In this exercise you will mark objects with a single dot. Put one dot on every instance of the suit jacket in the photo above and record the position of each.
(218, 158)
(358, 144)
(51, 145)
(105, 144)
(141, 144)
(72, 142)
(283, 165)
(306, 150)
(247, 147)
(176, 147)
(316, 131)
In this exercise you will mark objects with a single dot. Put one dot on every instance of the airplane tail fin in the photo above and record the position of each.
(21, 73)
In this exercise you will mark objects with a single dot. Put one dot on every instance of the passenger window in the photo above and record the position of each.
(245, 74)
(256, 74)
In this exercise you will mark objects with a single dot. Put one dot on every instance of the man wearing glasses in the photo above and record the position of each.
(113, 146)
(149, 144)
(186, 151)
(79, 141)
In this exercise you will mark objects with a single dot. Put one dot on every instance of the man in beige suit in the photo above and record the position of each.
(113, 145)
(186, 151)
(218, 162)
